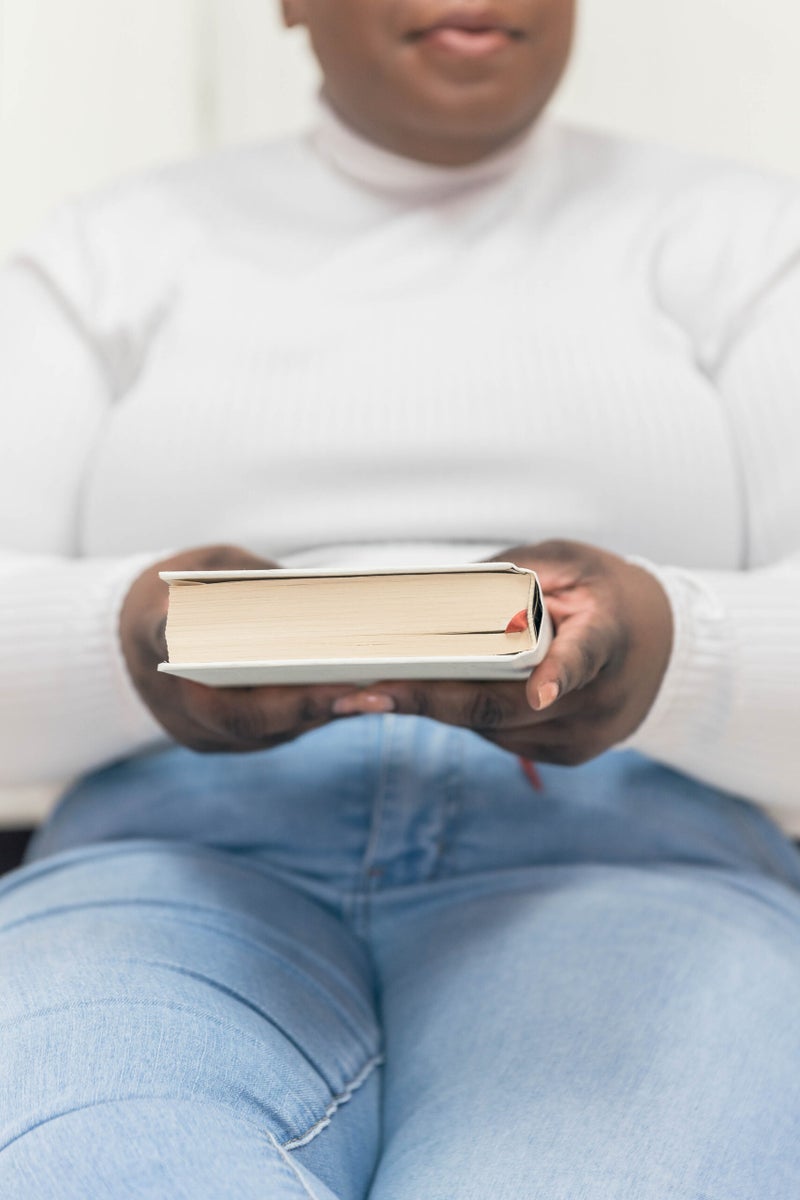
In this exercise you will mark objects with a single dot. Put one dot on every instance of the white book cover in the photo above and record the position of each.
(366, 671)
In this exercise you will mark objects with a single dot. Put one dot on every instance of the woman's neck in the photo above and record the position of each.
(428, 145)
(383, 169)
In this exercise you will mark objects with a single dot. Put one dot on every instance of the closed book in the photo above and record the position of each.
(250, 628)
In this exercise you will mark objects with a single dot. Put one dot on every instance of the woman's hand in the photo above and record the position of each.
(205, 718)
(613, 638)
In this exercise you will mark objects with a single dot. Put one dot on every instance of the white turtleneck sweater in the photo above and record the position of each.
(332, 355)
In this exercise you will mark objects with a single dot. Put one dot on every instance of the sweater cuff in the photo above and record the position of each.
(727, 709)
(70, 705)
(681, 722)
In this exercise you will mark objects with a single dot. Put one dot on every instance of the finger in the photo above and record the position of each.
(562, 743)
(205, 743)
(221, 557)
(259, 716)
(559, 564)
(478, 706)
(361, 703)
(578, 654)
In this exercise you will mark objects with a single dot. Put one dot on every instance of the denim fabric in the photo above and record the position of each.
(376, 963)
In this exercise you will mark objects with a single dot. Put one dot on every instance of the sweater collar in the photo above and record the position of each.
(392, 174)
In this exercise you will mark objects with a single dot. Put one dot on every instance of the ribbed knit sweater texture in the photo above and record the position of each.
(330, 354)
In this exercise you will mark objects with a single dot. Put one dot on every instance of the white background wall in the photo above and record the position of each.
(93, 88)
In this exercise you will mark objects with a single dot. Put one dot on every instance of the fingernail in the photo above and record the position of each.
(548, 694)
(363, 702)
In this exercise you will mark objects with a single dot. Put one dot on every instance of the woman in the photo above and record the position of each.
(369, 959)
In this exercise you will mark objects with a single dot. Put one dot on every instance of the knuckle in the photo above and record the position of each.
(245, 724)
(590, 659)
(309, 711)
(219, 556)
(201, 703)
(486, 712)
(236, 719)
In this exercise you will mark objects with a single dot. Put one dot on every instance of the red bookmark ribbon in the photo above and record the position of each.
(531, 774)
(518, 623)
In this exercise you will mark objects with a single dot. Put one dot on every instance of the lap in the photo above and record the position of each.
(174, 1018)
(190, 980)
(585, 992)
(596, 1032)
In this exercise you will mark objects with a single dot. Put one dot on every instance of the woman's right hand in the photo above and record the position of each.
(207, 719)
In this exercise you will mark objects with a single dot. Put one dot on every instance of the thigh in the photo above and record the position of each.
(591, 1032)
(304, 808)
(171, 1017)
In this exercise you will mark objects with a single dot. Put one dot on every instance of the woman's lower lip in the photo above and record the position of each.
(469, 43)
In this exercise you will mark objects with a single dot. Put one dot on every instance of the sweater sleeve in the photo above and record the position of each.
(729, 708)
(66, 702)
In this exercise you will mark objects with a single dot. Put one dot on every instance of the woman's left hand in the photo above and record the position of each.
(613, 637)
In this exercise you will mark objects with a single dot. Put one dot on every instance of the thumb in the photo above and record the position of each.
(577, 655)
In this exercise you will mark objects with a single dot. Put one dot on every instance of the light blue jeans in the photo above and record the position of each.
(376, 962)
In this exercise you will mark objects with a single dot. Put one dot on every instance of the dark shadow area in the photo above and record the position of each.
(12, 847)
